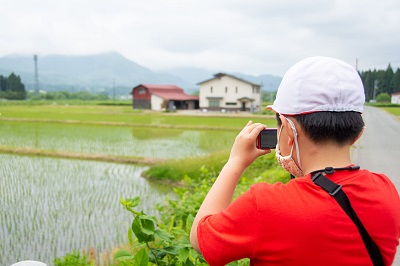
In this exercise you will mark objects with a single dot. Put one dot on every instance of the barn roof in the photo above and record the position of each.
(168, 92)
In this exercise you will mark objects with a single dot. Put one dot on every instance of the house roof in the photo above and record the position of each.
(168, 92)
(395, 93)
(219, 75)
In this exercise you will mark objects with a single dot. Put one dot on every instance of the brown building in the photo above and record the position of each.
(159, 97)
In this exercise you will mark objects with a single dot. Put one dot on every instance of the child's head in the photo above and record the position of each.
(326, 97)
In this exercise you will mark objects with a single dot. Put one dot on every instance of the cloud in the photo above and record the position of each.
(254, 37)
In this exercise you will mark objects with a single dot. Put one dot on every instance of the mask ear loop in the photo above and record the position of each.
(295, 139)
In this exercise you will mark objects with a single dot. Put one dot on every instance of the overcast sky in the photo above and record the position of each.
(252, 37)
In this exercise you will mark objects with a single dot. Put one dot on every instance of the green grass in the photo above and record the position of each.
(118, 130)
(65, 102)
(393, 110)
(125, 115)
(83, 192)
(174, 170)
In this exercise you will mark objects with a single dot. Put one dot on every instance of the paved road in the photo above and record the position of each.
(378, 150)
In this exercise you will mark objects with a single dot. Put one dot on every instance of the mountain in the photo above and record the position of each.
(105, 71)
(197, 75)
(268, 82)
(89, 72)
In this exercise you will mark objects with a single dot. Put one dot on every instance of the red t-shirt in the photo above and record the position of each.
(299, 223)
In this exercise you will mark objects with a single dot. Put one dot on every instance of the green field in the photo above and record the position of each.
(393, 110)
(125, 116)
(116, 132)
(53, 205)
(117, 141)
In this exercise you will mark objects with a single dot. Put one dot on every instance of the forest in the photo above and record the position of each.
(12, 88)
(378, 82)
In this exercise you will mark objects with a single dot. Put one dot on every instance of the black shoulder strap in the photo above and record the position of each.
(337, 192)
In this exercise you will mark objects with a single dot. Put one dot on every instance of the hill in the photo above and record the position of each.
(105, 71)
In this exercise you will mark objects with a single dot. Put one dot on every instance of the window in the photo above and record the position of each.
(236, 89)
(142, 91)
(213, 103)
(211, 89)
(226, 89)
(231, 103)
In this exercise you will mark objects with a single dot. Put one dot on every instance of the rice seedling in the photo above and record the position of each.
(53, 206)
(122, 141)
(125, 115)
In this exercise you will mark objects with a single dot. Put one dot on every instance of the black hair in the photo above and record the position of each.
(338, 127)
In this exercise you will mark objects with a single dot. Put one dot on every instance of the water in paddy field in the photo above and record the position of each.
(163, 143)
(50, 207)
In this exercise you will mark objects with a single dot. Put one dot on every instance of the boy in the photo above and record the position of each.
(318, 105)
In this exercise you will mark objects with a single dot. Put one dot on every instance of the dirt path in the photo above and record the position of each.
(378, 150)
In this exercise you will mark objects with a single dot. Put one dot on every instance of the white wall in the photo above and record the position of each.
(156, 102)
(219, 86)
(396, 99)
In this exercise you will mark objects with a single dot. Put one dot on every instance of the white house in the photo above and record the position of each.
(396, 98)
(227, 92)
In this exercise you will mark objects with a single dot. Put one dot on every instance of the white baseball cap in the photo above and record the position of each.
(318, 84)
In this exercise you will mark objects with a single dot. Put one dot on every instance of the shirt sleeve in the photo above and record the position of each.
(231, 234)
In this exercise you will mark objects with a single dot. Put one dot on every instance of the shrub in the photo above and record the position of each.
(165, 240)
(73, 259)
(383, 98)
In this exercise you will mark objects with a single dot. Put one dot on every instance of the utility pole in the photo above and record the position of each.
(35, 58)
(375, 89)
(114, 90)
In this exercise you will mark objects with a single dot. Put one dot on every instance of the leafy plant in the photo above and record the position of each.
(383, 98)
(165, 240)
(157, 243)
(73, 259)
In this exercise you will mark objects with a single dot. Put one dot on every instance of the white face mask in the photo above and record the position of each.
(287, 162)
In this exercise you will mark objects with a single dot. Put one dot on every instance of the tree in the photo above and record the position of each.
(395, 83)
(3, 83)
(386, 79)
(12, 88)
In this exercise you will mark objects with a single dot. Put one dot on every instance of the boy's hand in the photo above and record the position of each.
(244, 150)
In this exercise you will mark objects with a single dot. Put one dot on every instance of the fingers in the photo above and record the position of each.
(250, 126)
(244, 150)
(254, 129)
(250, 131)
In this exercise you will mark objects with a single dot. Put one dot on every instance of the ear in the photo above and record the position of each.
(287, 129)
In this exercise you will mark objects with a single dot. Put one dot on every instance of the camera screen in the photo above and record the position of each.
(267, 139)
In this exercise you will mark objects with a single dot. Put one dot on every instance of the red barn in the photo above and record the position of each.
(159, 97)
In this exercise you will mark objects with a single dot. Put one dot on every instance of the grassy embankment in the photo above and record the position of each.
(121, 115)
(393, 110)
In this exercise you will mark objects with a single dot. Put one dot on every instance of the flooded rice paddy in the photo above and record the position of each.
(160, 143)
(52, 206)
